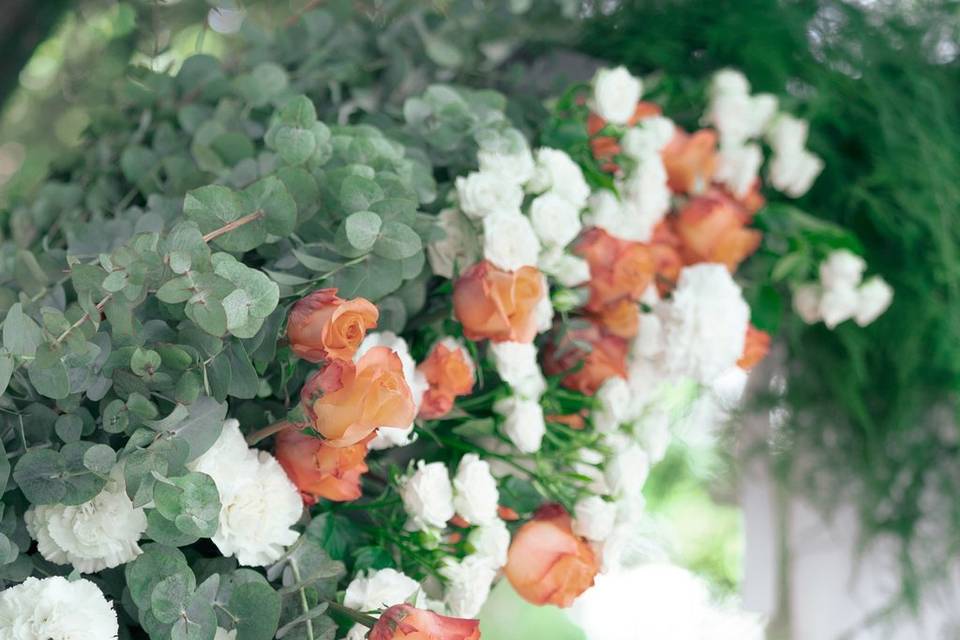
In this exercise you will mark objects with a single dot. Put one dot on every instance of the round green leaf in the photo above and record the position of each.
(39, 474)
(397, 241)
(362, 229)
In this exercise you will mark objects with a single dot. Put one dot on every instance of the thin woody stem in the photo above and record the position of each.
(355, 616)
(268, 431)
(230, 226)
(82, 319)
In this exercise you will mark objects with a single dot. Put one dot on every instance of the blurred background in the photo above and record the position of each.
(828, 504)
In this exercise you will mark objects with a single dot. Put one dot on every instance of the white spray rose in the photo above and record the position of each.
(492, 541)
(556, 221)
(738, 167)
(56, 609)
(593, 518)
(475, 495)
(428, 495)
(739, 117)
(806, 302)
(523, 422)
(729, 81)
(100, 533)
(787, 133)
(875, 296)
(509, 240)
(514, 166)
(458, 249)
(615, 94)
(543, 312)
(646, 200)
(793, 173)
(556, 171)
(842, 268)
(516, 364)
(481, 193)
(378, 590)
(838, 304)
(627, 472)
(468, 585)
(567, 269)
(648, 138)
(613, 396)
(589, 465)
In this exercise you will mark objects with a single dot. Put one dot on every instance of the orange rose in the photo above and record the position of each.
(618, 268)
(496, 304)
(712, 229)
(588, 370)
(690, 160)
(319, 470)
(324, 326)
(405, 622)
(547, 563)
(347, 402)
(755, 348)
(621, 318)
(450, 373)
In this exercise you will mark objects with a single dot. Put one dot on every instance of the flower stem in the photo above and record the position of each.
(268, 431)
(230, 226)
(351, 614)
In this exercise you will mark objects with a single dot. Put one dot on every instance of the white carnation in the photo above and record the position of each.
(380, 589)
(56, 609)
(258, 503)
(626, 220)
(613, 398)
(842, 268)
(569, 270)
(98, 534)
(875, 296)
(468, 585)
(704, 324)
(523, 422)
(555, 219)
(475, 495)
(428, 495)
(627, 472)
(806, 302)
(516, 364)
(555, 170)
(615, 94)
(509, 241)
(838, 304)
(396, 436)
(793, 173)
(514, 165)
(646, 199)
(492, 541)
(458, 249)
(648, 138)
(593, 518)
(481, 193)
(738, 167)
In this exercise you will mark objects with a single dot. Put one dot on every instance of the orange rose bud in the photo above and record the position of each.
(496, 304)
(755, 348)
(588, 370)
(324, 326)
(690, 160)
(573, 420)
(508, 514)
(618, 268)
(449, 371)
(319, 470)
(621, 318)
(547, 563)
(347, 402)
(712, 229)
(405, 622)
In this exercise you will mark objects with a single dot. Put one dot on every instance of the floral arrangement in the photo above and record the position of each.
(268, 376)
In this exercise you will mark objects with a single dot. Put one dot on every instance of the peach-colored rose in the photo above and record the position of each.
(449, 371)
(319, 470)
(755, 348)
(347, 402)
(618, 268)
(711, 228)
(620, 318)
(588, 370)
(496, 304)
(547, 563)
(324, 326)
(690, 160)
(406, 622)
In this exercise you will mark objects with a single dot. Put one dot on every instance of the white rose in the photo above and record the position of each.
(729, 81)
(875, 296)
(615, 94)
(458, 249)
(475, 495)
(648, 138)
(556, 221)
(646, 200)
(569, 270)
(806, 302)
(627, 472)
(509, 157)
(509, 241)
(468, 585)
(428, 495)
(56, 609)
(543, 312)
(98, 534)
(613, 396)
(523, 422)
(492, 541)
(842, 269)
(516, 364)
(739, 117)
(396, 436)
(380, 589)
(481, 194)
(787, 134)
(738, 167)
(593, 518)
(555, 170)
(838, 304)
(793, 173)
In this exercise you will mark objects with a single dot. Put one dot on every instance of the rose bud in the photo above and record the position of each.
(549, 564)
(324, 326)
(618, 268)
(449, 371)
(755, 348)
(319, 470)
(603, 357)
(406, 622)
(346, 402)
(496, 304)
(690, 160)
(621, 318)
(712, 229)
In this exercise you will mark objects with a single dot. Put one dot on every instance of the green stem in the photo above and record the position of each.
(352, 614)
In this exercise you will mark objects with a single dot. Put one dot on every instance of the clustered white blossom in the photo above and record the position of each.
(375, 590)
(56, 609)
(259, 504)
(842, 294)
(428, 496)
(615, 94)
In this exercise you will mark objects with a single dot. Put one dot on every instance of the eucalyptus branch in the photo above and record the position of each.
(268, 431)
(352, 614)
(230, 226)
